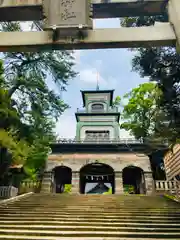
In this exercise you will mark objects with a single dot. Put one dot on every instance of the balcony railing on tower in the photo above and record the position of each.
(107, 141)
(110, 110)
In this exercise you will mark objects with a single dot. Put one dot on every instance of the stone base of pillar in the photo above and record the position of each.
(75, 183)
(149, 183)
(46, 183)
(74, 190)
(118, 183)
(119, 191)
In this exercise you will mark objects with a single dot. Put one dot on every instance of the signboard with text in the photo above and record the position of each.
(67, 13)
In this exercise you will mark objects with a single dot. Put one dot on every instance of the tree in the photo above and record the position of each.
(32, 106)
(142, 117)
(161, 64)
(40, 135)
(117, 102)
(140, 112)
(26, 76)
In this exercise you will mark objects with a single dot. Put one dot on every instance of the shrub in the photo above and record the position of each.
(108, 192)
(67, 188)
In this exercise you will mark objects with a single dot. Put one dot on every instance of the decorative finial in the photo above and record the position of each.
(97, 87)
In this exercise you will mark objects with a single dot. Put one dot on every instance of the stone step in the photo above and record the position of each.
(93, 219)
(130, 201)
(74, 228)
(87, 202)
(143, 205)
(95, 209)
(95, 233)
(93, 197)
(19, 237)
(160, 200)
(134, 208)
(118, 207)
(73, 205)
(91, 215)
(92, 223)
(51, 203)
(91, 211)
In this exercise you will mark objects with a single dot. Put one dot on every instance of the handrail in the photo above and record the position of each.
(107, 141)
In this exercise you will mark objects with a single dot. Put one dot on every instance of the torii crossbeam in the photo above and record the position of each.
(164, 34)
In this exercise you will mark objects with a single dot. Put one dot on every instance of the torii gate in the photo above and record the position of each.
(68, 24)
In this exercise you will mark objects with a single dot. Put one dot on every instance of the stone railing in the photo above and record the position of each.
(110, 110)
(168, 186)
(29, 186)
(8, 192)
(100, 141)
(125, 141)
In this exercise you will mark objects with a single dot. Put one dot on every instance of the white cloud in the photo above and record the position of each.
(112, 82)
(98, 64)
(77, 55)
(90, 76)
(125, 134)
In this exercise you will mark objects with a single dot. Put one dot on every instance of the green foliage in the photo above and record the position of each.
(172, 197)
(140, 113)
(143, 20)
(8, 114)
(128, 189)
(161, 64)
(18, 149)
(117, 101)
(67, 188)
(109, 192)
(29, 104)
(26, 77)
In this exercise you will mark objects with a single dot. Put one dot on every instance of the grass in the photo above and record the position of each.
(172, 197)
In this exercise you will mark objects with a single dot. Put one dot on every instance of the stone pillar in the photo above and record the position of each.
(149, 183)
(118, 183)
(174, 17)
(75, 183)
(46, 183)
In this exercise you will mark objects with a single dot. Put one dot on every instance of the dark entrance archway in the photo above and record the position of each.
(62, 176)
(133, 180)
(97, 178)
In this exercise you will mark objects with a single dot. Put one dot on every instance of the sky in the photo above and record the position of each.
(115, 72)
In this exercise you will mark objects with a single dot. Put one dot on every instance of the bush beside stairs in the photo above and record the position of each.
(90, 217)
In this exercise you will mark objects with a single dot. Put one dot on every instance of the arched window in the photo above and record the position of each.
(96, 107)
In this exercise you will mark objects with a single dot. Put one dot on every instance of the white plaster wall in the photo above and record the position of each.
(98, 97)
(97, 128)
(97, 119)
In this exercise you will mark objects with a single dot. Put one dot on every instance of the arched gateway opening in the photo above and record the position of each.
(133, 180)
(96, 178)
(62, 177)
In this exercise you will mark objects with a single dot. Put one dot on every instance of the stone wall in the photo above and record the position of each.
(117, 161)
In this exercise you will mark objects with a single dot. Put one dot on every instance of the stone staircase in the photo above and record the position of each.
(45, 216)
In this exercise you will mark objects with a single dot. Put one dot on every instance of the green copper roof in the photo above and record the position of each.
(83, 92)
